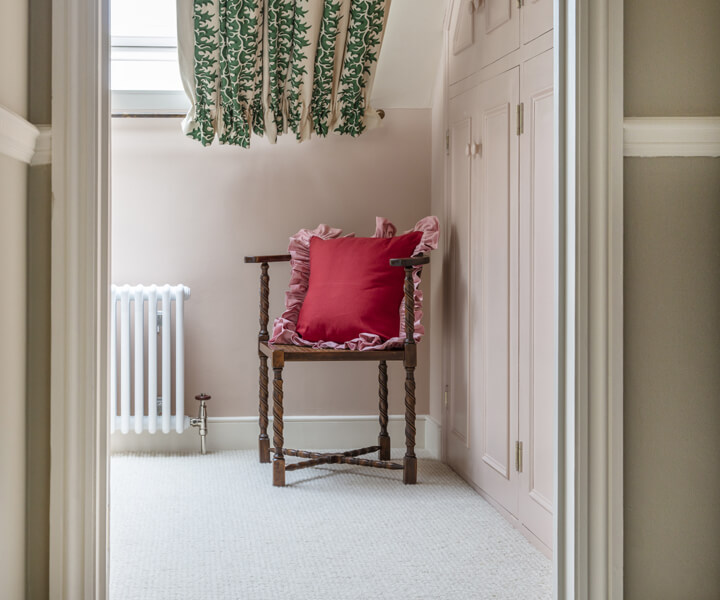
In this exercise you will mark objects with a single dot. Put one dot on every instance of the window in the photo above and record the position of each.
(144, 72)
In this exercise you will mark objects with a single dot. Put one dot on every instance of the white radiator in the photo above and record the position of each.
(127, 374)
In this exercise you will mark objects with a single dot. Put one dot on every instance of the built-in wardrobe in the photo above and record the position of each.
(500, 280)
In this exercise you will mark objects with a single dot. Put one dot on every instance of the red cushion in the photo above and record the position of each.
(353, 289)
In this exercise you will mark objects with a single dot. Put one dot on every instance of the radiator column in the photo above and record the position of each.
(152, 388)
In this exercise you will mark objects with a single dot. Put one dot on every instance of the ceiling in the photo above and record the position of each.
(410, 55)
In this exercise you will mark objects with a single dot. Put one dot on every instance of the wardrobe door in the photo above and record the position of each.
(536, 18)
(493, 297)
(459, 282)
(497, 31)
(538, 297)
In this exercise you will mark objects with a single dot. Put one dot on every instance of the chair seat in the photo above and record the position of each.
(305, 353)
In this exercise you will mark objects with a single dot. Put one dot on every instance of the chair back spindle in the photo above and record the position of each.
(409, 306)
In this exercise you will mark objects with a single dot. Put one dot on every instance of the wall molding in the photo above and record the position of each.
(43, 147)
(314, 431)
(17, 136)
(672, 136)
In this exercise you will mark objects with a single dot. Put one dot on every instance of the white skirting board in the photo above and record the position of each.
(433, 437)
(316, 432)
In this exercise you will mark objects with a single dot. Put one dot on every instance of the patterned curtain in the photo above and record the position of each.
(272, 66)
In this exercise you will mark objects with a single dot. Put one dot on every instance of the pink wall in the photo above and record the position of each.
(182, 213)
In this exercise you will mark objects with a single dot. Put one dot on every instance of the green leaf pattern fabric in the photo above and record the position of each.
(367, 22)
(207, 70)
(270, 67)
(324, 68)
(241, 34)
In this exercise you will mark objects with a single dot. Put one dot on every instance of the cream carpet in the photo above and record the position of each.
(213, 527)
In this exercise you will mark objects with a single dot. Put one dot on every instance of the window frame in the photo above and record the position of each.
(146, 102)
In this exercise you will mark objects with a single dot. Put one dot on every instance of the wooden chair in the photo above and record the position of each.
(279, 354)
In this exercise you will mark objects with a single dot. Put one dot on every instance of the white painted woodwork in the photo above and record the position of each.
(460, 163)
(43, 146)
(17, 136)
(462, 37)
(483, 216)
(320, 431)
(589, 148)
(536, 18)
(537, 293)
(481, 32)
(493, 295)
(502, 291)
(588, 536)
(515, 58)
(672, 136)
(80, 303)
(497, 24)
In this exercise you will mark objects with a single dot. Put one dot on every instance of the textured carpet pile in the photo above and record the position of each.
(213, 527)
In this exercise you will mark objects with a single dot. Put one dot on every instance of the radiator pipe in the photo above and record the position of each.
(201, 421)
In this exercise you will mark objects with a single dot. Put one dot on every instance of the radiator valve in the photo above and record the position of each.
(201, 421)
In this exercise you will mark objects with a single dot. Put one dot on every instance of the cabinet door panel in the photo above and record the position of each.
(481, 33)
(497, 14)
(536, 17)
(493, 300)
(497, 29)
(463, 34)
(538, 281)
(458, 248)
(496, 255)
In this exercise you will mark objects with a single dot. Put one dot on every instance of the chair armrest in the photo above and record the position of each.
(409, 262)
(409, 302)
(263, 261)
(267, 259)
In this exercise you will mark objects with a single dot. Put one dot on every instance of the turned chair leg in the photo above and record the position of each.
(278, 458)
(410, 362)
(410, 460)
(383, 438)
(263, 439)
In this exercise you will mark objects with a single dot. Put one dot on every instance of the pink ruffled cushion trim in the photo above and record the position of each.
(299, 249)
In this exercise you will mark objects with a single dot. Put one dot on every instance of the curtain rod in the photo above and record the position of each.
(380, 112)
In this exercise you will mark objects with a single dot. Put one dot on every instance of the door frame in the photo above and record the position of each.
(588, 41)
(80, 284)
(589, 181)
